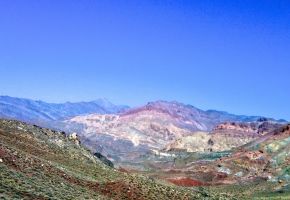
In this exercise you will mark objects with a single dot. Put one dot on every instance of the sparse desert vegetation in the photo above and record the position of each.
(38, 163)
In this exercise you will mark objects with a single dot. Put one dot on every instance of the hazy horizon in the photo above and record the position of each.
(134, 106)
(223, 55)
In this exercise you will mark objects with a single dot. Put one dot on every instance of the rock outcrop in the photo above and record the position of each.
(224, 137)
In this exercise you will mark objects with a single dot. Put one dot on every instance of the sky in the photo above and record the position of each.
(219, 54)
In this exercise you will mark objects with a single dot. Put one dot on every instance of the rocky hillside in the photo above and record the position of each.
(224, 137)
(266, 158)
(128, 136)
(257, 170)
(38, 163)
(161, 125)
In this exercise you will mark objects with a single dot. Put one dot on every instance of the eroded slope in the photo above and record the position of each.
(37, 163)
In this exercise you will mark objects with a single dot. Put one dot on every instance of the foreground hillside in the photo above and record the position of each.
(37, 163)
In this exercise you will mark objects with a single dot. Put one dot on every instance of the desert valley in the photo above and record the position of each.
(144, 100)
(206, 154)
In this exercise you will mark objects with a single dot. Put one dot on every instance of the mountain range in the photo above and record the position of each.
(36, 110)
(129, 135)
(39, 111)
(125, 135)
(99, 150)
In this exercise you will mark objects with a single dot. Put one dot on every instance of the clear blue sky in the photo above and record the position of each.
(225, 55)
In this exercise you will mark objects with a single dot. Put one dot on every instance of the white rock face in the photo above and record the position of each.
(197, 142)
(150, 128)
(75, 138)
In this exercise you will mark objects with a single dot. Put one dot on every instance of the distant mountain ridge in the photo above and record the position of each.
(187, 113)
(31, 110)
(34, 111)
